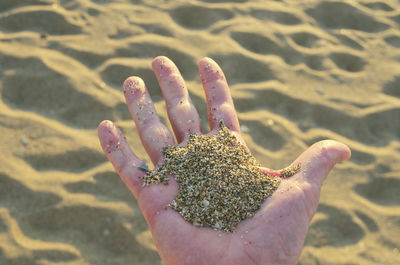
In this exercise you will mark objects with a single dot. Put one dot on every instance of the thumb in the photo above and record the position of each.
(318, 160)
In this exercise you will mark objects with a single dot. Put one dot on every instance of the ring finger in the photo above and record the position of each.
(153, 133)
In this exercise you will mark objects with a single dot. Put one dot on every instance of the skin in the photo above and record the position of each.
(275, 235)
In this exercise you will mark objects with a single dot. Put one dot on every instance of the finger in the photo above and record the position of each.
(181, 111)
(117, 150)
(317, 161)
(219, 101)
(153, 134)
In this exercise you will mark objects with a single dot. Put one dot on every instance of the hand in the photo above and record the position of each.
(275, 235)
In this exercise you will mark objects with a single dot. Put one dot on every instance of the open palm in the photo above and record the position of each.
(275, 235)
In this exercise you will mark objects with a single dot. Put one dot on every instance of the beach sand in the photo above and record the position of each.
(299, 72)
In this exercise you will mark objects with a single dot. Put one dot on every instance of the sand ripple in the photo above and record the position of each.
(300, 72)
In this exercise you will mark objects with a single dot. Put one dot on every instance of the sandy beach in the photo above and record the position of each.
(299, 72)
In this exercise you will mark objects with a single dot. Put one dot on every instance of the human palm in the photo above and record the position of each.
(275, 235)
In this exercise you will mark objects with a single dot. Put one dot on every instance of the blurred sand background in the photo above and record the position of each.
(299, 71)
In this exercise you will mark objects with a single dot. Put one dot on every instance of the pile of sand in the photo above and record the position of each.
(300, 71)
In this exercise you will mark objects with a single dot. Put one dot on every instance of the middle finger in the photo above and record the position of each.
(181, 111)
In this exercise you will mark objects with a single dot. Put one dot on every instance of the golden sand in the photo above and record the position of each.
(220, 182)
(299, 72)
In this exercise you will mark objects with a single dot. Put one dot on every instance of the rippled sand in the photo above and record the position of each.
(300, 71)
